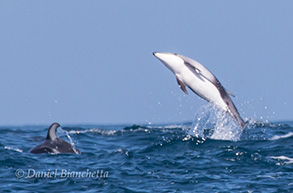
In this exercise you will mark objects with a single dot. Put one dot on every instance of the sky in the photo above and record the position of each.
(91, 62)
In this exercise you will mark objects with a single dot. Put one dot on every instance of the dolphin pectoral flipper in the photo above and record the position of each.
(181, 85)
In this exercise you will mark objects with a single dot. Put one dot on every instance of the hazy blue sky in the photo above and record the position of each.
(91, 61)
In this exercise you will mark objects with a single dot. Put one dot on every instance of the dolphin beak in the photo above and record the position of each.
(163, 57)
(159, 55)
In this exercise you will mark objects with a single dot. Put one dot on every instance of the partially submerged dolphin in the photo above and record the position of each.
(53, 144)
(201, 81)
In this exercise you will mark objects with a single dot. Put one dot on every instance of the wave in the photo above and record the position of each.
(111, 132)
(276, 137)
(209, 123)
(131, 129)
(13, 149)
(286, 160)
(202, 128)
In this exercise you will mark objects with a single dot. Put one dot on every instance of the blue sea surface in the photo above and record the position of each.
(150, 158)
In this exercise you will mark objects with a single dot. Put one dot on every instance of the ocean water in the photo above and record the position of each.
(206, 155)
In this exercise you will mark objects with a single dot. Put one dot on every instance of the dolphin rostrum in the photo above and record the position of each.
(53, 144)
(201, 81)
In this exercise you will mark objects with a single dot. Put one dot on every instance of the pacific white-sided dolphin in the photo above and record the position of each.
(201, 81)
(53, 144)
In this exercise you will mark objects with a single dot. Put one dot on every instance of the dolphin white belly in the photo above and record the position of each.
(203, 88)
(201, 81)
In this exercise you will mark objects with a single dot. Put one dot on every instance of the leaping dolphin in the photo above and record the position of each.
(53, 144)
(201, 81)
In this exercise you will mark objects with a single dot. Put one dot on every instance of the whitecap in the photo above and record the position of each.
(98, 131)
(287, 160)
(106, 132)
(276, 137)
(13, 148)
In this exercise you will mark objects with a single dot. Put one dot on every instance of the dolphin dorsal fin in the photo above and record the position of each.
(52, 132)
(181, 84)
(230, 93)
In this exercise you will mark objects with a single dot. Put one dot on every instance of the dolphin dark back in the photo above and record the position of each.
(53, 144)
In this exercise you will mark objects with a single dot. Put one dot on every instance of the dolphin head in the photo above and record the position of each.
(171, 61)
(52, 132)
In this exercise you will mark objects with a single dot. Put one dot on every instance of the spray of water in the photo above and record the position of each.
(70, 139)
(212, 122)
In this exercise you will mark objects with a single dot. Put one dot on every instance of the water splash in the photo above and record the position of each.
(70, 139)
(212, 122)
